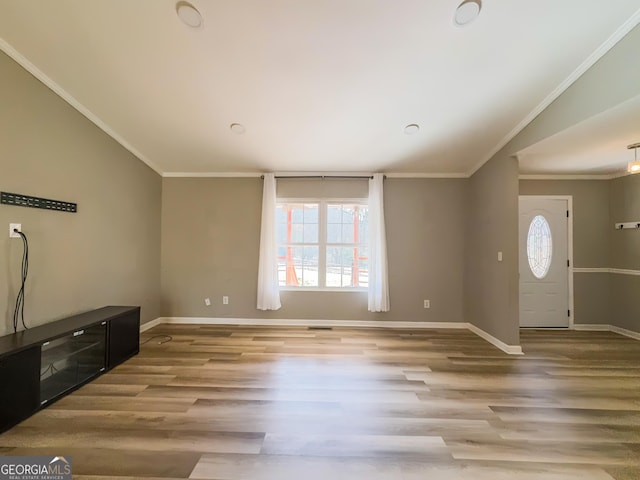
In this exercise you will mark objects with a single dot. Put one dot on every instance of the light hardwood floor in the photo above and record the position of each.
(221, 402)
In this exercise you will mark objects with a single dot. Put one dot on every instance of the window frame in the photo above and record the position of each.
(322, 242)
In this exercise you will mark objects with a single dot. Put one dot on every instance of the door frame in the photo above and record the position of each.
(569, 200)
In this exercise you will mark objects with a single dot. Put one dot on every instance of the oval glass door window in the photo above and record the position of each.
(539, 247)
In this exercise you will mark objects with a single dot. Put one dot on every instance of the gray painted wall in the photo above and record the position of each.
(625, 252)
(210, 244)
(625, 207)
(624, 301)
(491, 287)
(107, 253)
(592, 298)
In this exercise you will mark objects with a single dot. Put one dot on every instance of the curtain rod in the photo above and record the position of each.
(323, 176)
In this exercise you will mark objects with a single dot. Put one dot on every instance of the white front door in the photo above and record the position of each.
(544, 268)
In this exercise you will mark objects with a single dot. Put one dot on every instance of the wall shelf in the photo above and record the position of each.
(626, 225)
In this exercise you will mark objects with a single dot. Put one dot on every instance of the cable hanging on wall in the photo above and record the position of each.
(18, 312)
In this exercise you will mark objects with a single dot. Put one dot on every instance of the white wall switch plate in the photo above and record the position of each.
(207, 301)
(427, 304)
(499, 256)
(13, 226)
(225, 300)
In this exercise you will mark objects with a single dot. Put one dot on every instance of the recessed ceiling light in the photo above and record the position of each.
(237, 128)
(467, 12)
(411, 129)
(189, 14)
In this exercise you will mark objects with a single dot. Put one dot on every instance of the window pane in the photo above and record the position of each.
(310, 233)
(340, 270)
(334, 233)
(363, 235)
(309, 266)
(282, 265)
(297, 224)
(301, 269)
(296, 233)
(347, 213)
(297, 213)
(282, 232)
(539, 247)
(363, 225)
(334, 214)
(282, 271)
(298, 266)
(334, 267)
(354, 224)
(362, 275)
(310, 257)
(348, 232)
(311, 213)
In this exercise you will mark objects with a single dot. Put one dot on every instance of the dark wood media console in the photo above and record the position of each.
(42, 364)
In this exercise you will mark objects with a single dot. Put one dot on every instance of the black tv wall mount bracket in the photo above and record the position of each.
(19, 200)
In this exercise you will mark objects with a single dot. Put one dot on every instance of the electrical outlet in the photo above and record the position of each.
(499, 256)
(207, 301)
(16, 226)
(225, 300)
(427, 304)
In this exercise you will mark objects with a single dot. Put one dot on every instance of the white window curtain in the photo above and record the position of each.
(268, 290)
(378, 276)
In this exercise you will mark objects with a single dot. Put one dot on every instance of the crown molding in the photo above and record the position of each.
(565, 177)
(621, 174)
(294, 174)
(571, 176)
(426, 175)
(212, 174)
(524, 176)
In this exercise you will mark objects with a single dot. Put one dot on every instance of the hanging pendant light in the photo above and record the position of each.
(634, 167)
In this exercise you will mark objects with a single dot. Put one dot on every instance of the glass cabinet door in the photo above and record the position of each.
(71, 360)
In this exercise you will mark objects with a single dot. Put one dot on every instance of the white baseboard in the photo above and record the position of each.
(625, 332)
(607, 328)
(146, 326)
(297, 322)
(510, 349)
(588, 327)
(281, 322)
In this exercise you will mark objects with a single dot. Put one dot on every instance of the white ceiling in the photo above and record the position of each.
(320, 85)
(597, 146)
